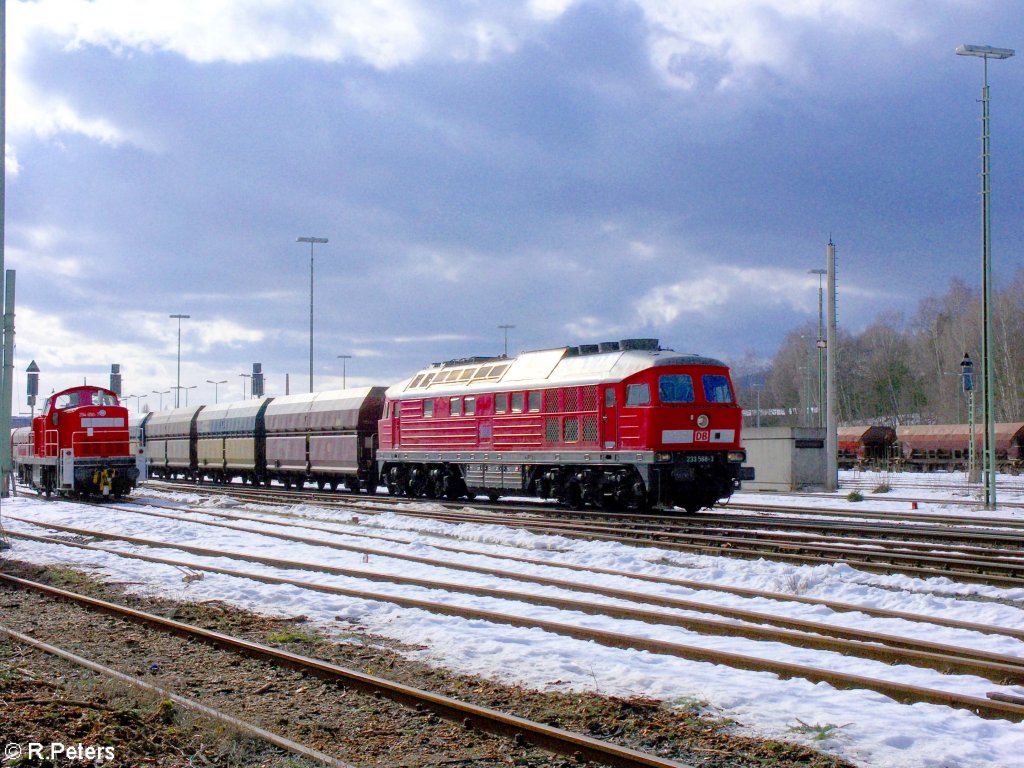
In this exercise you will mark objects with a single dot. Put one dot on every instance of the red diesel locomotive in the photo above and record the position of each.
(78, 445)
(620, 424)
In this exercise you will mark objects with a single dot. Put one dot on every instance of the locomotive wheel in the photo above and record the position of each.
(574, 495)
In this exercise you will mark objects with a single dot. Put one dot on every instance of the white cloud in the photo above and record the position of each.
(438, 265)
(589, 328)
(44, 254)
(11, 166)
(726, 288)
(728, 40)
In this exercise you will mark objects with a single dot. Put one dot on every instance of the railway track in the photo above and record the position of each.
(217, 715)
(755, 626)
(520, 730)
(924, 551)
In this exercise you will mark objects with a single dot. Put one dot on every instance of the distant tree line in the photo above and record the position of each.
(896, 371)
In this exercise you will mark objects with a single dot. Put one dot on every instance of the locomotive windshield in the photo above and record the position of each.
(675, 388)
(67, 400)
(82, 397)
(716, 389)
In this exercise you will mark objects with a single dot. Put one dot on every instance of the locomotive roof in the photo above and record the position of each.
(563, 366)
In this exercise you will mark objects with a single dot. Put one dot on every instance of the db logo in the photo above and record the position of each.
(702, 436)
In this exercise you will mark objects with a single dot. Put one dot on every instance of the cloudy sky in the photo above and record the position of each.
(583, 170)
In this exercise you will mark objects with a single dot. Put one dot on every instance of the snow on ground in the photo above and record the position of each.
(871, 729)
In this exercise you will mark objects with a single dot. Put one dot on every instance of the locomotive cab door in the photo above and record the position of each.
(609, 419)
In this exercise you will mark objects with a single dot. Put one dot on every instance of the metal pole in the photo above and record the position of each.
(344, 359)
(988, 455)
(312, 241)
(177, 388)
(311, 318)
(6, 474)
(831, 423)
(215, 385)
(6, 393)
(505, 328)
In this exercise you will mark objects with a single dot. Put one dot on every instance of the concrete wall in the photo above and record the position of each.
(785, 458)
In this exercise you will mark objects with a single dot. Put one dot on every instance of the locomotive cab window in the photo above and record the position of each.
(638, 394)
(68, 400)
(716, 388)
(675, 388)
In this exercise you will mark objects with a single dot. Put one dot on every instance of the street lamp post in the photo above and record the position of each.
(821, 345)
(158, 392)
(312, 241)
(988, 455)
(244, 382)
(177, 388)
(215, 385)
(506, 328)
(344, 358)
(186, 393)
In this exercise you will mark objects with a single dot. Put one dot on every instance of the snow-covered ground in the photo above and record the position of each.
(867, 728)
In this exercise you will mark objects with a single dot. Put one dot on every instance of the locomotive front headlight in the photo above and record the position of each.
(737, 457)
(663, 457)
(703, 421)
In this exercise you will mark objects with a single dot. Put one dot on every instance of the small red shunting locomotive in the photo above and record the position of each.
(78, 445)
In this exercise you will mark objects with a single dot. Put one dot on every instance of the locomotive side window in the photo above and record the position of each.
(517, 402)
(609, 398)
(638, 394)
(470, 406)
(456, 406)
(68, 400)
(716, 389)
(675, 388)
(533, 400)
(428, 408)
(501, 402)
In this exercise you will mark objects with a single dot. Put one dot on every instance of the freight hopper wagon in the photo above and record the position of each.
(620, 424)
(170, 443)
(231, 441)
(932, 447)
(329, 438)
(78, 446)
